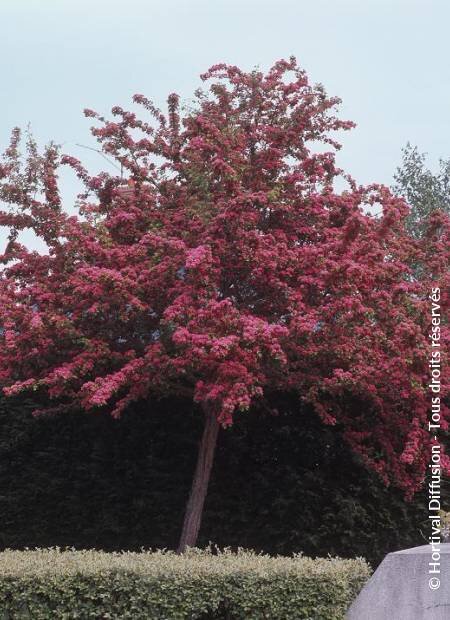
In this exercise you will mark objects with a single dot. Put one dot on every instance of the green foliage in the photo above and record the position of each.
(424, 190)
(281, 483)
(91, 481)
(44, 584)
(292, 484)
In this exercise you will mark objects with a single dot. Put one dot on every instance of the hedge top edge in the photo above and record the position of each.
(56, 561)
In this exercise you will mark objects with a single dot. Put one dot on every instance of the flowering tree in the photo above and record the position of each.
(223, 266)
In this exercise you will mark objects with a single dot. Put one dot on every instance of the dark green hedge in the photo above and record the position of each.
(280, 484)
(164, 586)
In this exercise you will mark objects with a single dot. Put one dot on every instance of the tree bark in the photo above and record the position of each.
(205, 459)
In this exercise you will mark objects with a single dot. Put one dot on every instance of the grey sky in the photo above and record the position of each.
(387, 60)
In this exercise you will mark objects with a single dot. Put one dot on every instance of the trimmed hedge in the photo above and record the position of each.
(51, 583)
(280, 484)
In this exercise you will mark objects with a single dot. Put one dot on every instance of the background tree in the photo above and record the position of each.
(226, 270)
(424, 191)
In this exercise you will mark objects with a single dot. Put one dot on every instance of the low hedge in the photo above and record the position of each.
(43, 584)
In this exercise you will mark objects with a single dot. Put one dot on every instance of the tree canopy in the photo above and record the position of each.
(223, 265)
(424, 190)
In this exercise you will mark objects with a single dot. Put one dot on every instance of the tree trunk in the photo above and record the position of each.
(205, 458)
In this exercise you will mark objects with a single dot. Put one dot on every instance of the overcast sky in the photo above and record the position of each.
(387, 59)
